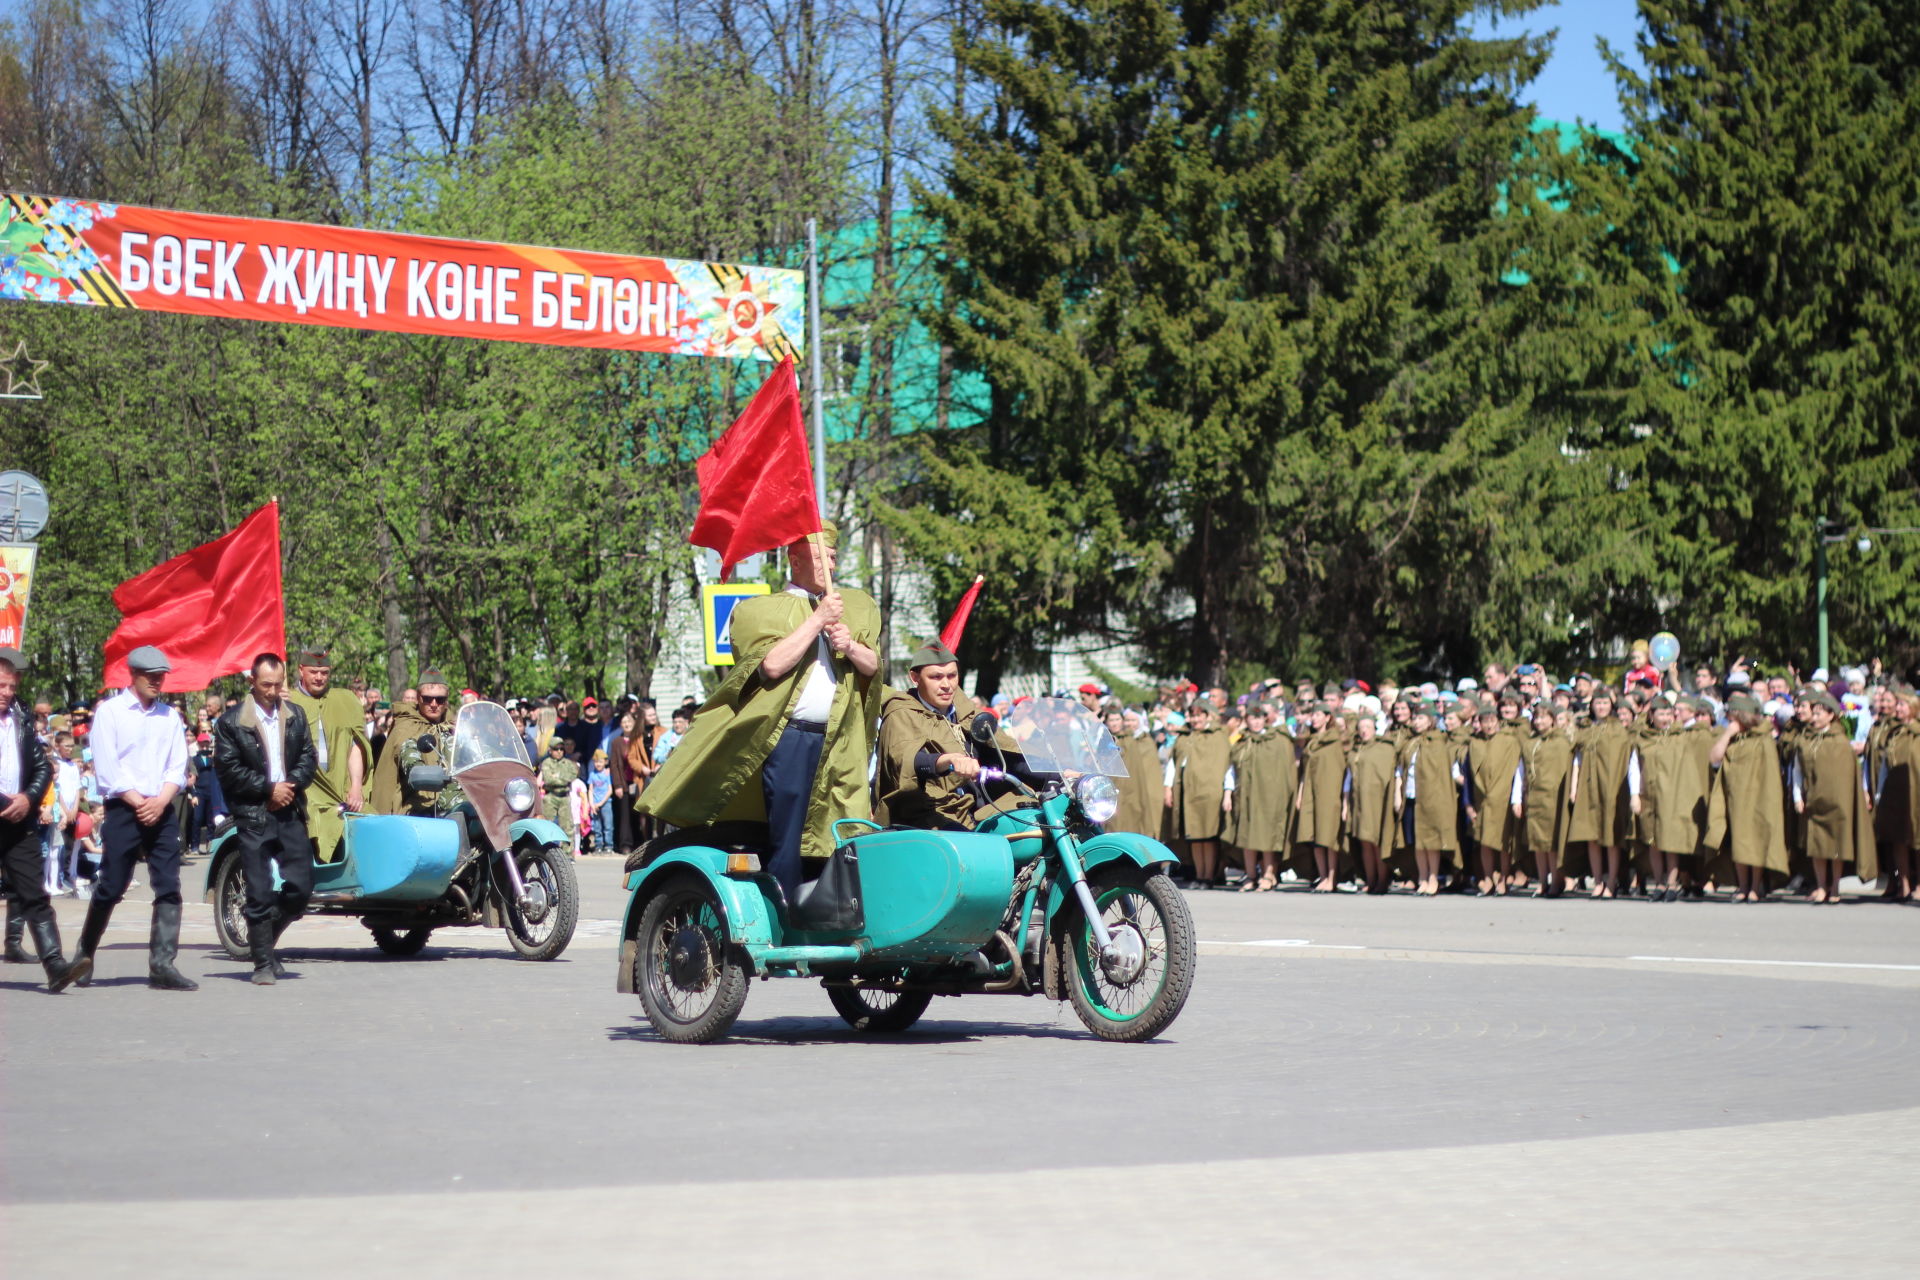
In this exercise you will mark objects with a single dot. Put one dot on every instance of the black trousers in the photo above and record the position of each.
(280, 838)
(786, 779)
(123, 842)
(26, 879)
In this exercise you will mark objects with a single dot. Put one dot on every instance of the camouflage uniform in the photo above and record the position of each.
(556, 777)
(429, 804)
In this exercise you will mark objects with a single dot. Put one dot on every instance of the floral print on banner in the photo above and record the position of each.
(43, 261)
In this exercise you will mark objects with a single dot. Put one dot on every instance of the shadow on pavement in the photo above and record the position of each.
(797, 1033)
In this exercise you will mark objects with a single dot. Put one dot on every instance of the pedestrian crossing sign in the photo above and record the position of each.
(717, 601)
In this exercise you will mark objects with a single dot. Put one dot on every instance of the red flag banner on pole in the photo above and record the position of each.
(210, 610)
(756, 484)
(950, 634)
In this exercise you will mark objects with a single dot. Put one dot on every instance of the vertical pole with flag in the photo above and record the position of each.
(813, 362)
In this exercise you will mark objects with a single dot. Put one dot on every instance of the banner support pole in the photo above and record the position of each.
(813, 360)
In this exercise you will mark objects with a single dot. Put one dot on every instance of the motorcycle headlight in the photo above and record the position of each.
(519, 795)
(1099, 798)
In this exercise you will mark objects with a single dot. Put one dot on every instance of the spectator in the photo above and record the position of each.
(600, 801)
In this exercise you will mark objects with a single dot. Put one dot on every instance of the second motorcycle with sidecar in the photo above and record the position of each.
(486, 861)
(1036, 900)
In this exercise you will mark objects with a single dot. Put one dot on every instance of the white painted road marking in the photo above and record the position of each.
(1800, 964)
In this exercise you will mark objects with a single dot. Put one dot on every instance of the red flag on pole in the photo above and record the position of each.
(756, 484)
(950, 634)
(210, 610)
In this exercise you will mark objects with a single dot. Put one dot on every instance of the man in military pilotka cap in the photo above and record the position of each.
(923, 764)
(785, 739)
(423, 719)
(337, 721)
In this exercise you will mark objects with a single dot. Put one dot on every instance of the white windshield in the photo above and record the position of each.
(485, 732)
(1058, 736)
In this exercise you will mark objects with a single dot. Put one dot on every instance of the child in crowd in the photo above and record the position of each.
(600, 800)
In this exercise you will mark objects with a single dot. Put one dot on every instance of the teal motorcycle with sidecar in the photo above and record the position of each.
(486, 860)
(1036, 900)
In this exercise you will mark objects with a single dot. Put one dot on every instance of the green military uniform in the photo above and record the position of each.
(434, 745)
(338, 724)
(1323, 772)
(1492, 760)
(908, 727)
(1265, 778)
(1753, 802)
(1428, 759)
(1199, 782)
(714, 774)
(1549, 763)
(557, 774)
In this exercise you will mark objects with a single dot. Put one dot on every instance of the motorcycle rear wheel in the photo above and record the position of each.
(691, 981)
(883, 1012)
(400, 942)
(548, 870)
(229, 908)
(1144, 910)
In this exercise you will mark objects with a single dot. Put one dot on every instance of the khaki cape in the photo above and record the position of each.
(1896, 816)
(1264, 777)
(1436, 802)
(1753, 802)
(1143, 801)
(908, 727)
(384, 794)
(1323, 771)
(1839, 825)
(1370, 803)
(1549, 760)
(714, 774)
(1199, 783)
(1491, 763)
(338, 717)
(1600, 811)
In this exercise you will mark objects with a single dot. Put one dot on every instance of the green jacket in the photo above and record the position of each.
(339, 722)
(714, 774)
(908, 727)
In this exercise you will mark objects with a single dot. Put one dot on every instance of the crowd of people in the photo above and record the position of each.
(1737, 784)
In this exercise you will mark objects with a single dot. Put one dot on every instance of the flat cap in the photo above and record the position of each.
(148, 658)
(933, 654)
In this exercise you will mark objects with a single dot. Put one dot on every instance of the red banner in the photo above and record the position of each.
(94, 253)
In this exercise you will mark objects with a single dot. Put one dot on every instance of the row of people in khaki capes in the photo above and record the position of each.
(1503, 794)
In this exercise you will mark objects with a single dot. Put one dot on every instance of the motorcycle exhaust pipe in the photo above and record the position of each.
(1015, 980)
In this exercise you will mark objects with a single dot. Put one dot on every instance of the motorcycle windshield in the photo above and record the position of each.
(483, 733)
(1059, 736)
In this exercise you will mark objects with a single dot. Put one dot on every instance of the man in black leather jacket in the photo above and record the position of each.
(264, 755)
(24, 774)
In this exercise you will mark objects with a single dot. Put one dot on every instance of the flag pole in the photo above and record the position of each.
(813, 360)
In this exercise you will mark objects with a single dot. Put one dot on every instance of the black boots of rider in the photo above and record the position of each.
(260, 945)
(163, 943)
(60, 974)
(16, 929)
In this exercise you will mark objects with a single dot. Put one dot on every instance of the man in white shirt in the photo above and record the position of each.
(140, 764)
(264, 754)
(24, 773)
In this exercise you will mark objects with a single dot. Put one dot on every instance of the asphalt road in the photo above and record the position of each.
(1358, 1086)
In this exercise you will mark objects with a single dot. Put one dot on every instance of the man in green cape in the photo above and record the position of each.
(337, 721)
(786, 738)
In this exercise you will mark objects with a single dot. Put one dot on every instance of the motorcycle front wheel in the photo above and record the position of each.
(691, 983)
(1139, 993)
(542, 928)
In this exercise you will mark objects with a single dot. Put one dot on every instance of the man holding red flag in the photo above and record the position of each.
(786, 739)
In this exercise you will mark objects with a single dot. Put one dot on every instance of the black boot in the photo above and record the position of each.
(98, 913)
(60, 974)
(16, 925)
(260, 944)
(280, 925)
(163, 943)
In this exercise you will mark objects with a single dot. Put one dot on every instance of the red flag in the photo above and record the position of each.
(950, 634)
(210, 610)
(756, 485)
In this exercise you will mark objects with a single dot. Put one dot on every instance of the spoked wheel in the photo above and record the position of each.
(230, 908)
(400, 942)
(872, 1009)
(691, 983)
(542, 928)
(1135, 992)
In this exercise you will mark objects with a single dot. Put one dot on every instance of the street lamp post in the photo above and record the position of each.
(1831, 530)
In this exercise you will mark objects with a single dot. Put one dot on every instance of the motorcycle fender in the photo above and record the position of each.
(1112, 846)
(749, 917)
(223, 848)
(540, 830)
